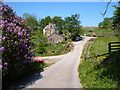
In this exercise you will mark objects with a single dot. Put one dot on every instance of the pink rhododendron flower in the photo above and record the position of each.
(15, 30)
(2, 25)
(5, 9)
(1, 66)
(19, 34)
(15, 42)
(33, 50)
(26, 39)
(16, 17)
(23, 30)
(1, 8)
(3, 38)
(25, 55)
(28, 26)
(2, 48)
(2, 21)
(32, 58)
(9, 28)
(17, 27)
(10, 7)
(29, 57)
(11, 24)
(27, 35)
(23, 21)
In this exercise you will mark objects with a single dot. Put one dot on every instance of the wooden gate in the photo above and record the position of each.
(113, 46)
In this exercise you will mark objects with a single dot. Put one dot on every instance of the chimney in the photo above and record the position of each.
(49, 25)
(50, 28)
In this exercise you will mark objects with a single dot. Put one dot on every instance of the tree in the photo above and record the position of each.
(59, 22)
(72, 24)
(44, 22)
(41, 45)
(31, 20)
(116, 20)
(106, 24)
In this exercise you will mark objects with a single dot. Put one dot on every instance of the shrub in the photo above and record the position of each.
(90, 30)
(16, 44)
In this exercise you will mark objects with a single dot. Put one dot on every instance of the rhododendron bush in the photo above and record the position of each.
(16, 43)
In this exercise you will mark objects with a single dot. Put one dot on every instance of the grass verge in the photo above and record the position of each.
(101, 72)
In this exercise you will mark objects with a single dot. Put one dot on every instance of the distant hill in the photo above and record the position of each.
(89, 27)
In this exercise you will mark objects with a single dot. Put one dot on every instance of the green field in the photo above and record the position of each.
(103, 71)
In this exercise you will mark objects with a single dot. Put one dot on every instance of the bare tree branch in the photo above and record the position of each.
(106, 8)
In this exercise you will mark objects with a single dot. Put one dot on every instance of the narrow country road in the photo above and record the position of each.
(64, 73)
(53, 57)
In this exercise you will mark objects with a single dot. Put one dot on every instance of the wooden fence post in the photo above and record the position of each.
(109, 47)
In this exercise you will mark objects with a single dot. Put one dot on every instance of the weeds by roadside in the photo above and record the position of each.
(103, 71)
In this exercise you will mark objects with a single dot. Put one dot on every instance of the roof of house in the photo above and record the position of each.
(50, 26)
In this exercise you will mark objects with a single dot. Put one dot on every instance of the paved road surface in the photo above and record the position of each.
(53, 57)
(64, 73)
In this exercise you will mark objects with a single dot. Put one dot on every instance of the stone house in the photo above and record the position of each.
(50, 29)
(55, 38)
(51, 32)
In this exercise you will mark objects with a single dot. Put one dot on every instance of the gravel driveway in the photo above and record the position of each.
(64, 73)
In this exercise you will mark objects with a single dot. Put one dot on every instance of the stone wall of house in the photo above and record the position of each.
(55, 38)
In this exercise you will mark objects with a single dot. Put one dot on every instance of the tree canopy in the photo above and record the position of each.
(44, 22)
(106, 24)
(116, 20)
(59, 23)
(72, 24)
(30, 20)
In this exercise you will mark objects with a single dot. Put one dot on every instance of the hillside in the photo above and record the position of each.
(102, 71)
